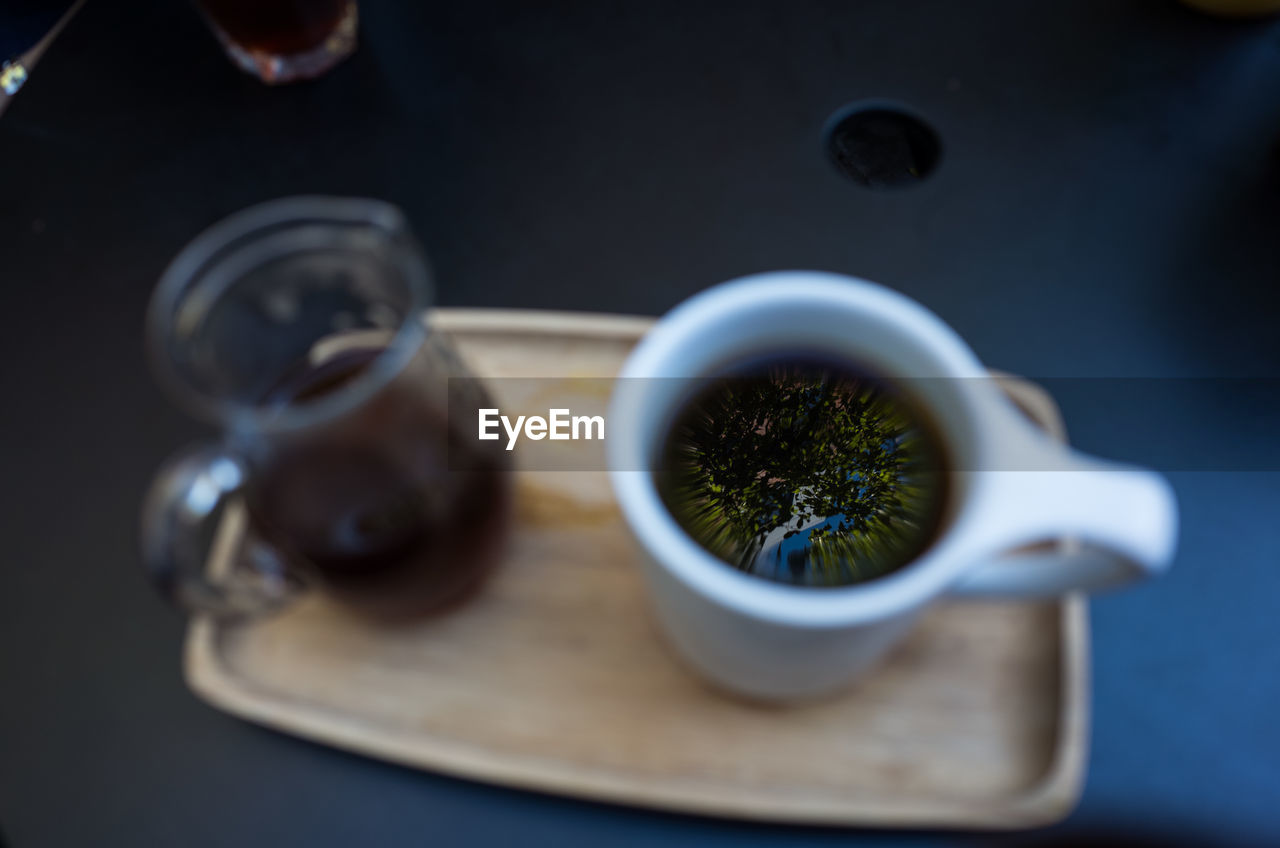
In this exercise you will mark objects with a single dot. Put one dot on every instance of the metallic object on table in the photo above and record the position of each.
(12, 75)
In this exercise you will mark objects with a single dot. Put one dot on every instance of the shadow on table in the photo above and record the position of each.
(521, 808)
(1123, 837)
(1226, 260)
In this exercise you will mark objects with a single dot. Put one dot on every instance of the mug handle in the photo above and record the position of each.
(1108, 524)
(196, 546)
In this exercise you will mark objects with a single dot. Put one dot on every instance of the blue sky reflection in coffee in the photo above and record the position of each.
(805, 473)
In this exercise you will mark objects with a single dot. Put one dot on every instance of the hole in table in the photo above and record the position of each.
(882, 146)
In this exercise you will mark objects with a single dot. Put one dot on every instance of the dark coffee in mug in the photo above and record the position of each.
(802, 470)
(368, 505)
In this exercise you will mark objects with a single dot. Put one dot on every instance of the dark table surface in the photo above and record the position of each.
(1107, 204)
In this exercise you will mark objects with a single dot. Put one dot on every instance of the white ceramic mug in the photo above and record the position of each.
(1011, 486)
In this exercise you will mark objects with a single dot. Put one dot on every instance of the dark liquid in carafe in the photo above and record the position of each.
(366, 502)
(279, 27)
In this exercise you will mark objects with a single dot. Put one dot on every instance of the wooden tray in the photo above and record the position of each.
(555, 679)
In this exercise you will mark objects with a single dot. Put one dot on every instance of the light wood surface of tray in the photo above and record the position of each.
(554, 678)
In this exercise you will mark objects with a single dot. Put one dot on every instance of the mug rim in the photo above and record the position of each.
(263, 221)
(675, 551)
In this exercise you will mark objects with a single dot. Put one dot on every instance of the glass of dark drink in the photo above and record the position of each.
(298, 329)
(284, 40)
